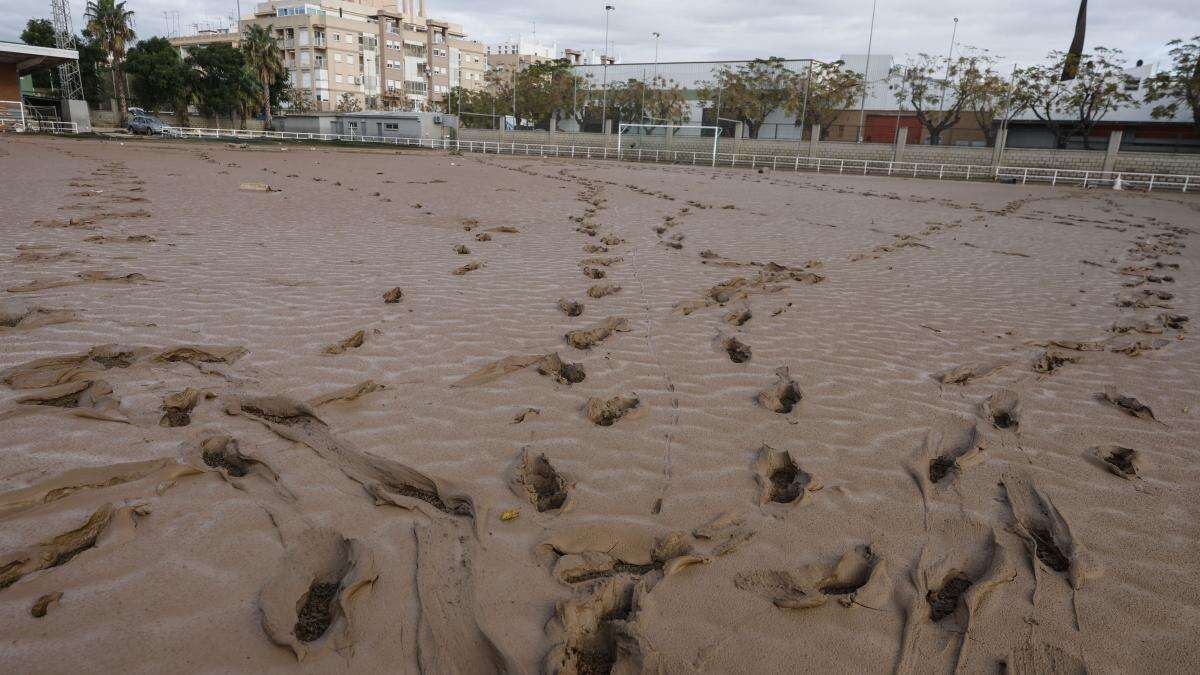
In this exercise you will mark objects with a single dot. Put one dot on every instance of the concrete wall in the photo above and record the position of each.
(1083, 160)
(106, 119)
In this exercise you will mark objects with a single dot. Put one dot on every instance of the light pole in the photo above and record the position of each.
(657, 37)
(862, 107)
(949, 56)
(604, 85)
(804, 105)
(946, 81)
(654, 77)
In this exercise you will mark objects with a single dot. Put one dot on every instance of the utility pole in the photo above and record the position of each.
(604, 86)
(862, 108)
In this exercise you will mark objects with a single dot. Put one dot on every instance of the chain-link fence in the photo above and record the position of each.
(877, 118)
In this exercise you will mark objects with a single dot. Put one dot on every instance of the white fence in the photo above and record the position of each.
(20, 117)
(1009, 174)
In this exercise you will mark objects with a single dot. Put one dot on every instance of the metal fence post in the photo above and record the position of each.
(1025, 176)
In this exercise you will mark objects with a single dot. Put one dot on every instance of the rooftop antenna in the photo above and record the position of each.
(64, 38)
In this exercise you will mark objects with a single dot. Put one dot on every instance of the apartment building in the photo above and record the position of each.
(330, 48)
(423, 59)
(382, 53)
(186, 43)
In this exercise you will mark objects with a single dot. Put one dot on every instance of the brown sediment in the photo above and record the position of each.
(587, 338)
(605, 412)
(782, 396)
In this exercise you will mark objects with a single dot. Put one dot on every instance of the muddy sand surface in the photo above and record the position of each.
(304, 409)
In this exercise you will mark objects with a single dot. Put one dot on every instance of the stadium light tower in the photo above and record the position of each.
(64, 38)
(604, 86)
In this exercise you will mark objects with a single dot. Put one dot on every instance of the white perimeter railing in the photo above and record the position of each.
(1011, 174)
(14, 114)
(51, 126)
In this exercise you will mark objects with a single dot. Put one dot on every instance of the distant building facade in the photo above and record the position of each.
(381, 53)
(523, 52)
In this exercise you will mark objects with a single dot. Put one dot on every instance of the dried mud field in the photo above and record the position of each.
(419, 412)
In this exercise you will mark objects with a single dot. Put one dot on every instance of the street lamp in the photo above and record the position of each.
(862, 108)
(604, 86)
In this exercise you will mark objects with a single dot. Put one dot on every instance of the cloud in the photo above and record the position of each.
(1020, 30)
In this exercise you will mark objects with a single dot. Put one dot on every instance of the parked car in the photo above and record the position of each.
(149, 125)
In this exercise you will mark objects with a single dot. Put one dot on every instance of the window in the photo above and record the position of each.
(391, 126)
(337, 56)
(337, 37)
(338, 78)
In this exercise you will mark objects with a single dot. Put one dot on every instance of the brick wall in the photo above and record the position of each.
(10, 84)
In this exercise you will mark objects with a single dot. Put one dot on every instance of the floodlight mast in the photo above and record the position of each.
(64, 38)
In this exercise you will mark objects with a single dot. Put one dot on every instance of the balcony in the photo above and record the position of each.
(321, 76)
(288, 43)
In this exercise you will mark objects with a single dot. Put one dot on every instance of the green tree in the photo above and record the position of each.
(659, 100)
(158, 75)
(298, 100)
(831, 89)
(1179, 85)
(92, 68)
(474, 107)
(750, 92)
(990, 98)
(348, 103)
(112, 26)
(1074, 107)
(265, 60)
(40, 33)
(219, 80)
(939, 92)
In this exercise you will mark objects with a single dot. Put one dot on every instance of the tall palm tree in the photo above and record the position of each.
(265, 60)
(111, 25)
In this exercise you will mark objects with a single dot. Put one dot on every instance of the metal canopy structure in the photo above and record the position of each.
(29, 58)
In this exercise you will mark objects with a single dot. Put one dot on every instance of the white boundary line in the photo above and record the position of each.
(1012, 174)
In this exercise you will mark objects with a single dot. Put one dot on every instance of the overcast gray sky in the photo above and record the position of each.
(1021, 30)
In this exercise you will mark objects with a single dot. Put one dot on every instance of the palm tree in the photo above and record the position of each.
(265, 60)
(112, 27)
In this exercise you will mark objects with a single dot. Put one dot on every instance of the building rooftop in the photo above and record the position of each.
(29, 58)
